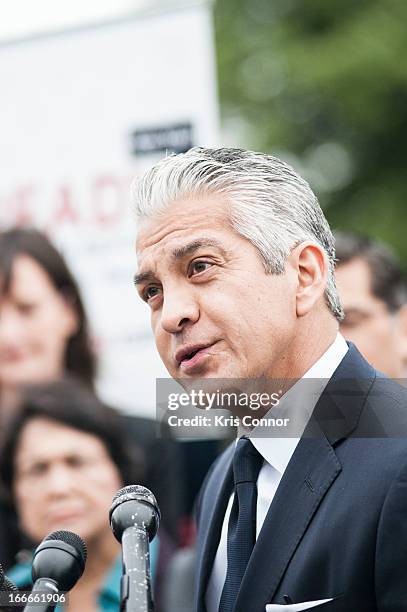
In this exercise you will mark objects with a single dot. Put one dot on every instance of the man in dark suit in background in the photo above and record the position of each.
(236, 262)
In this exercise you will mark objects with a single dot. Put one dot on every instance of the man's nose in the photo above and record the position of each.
(180, 308)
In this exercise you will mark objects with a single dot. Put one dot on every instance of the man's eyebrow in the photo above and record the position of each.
(179, 253)
(194, 245)
(356, 311)
(138, 279)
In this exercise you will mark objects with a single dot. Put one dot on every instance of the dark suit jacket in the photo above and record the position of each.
(337, 526)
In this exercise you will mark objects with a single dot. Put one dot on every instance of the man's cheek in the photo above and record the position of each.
(164, 351)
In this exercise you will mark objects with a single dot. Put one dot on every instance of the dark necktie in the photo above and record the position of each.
(247, 462)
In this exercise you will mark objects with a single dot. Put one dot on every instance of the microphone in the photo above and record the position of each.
(134, 519)
(58, 564)
(6, 586)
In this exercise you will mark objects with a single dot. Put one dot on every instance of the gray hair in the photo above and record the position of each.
(270, 204)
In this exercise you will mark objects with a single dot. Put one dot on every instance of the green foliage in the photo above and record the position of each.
(323, 83)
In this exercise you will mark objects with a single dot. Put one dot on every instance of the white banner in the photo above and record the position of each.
(81, 113)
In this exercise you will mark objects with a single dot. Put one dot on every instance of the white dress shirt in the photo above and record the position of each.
(277, 453)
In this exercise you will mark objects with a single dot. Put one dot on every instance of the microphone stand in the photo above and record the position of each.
(135, 586)
(42, 588)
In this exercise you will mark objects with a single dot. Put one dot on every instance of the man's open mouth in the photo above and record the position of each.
(187, 353)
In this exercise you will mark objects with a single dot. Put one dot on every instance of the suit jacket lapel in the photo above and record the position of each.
(311, 471)
(339, 408)
(211, 514)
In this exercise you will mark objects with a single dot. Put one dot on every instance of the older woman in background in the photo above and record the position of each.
(64, 458)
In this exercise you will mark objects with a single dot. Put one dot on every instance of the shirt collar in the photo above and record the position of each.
(330, 360)
(278, 451)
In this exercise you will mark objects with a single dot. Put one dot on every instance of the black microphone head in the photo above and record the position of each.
(69, 537)
(134, 506)
(61, 556)
(8, 586)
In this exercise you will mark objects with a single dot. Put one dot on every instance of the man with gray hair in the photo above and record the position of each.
(236, 262)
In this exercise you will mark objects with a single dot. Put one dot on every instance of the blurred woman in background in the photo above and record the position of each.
(44, 335)
(64, 458)
(43, 331)
(43, 326)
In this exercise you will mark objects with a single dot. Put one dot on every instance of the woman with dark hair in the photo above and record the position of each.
(43, 330)
(65, 456)
(43, 336)
(43, 326)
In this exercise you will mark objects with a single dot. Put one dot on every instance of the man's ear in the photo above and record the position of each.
(311, 263)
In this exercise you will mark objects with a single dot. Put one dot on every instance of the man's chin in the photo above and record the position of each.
(211, 383)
